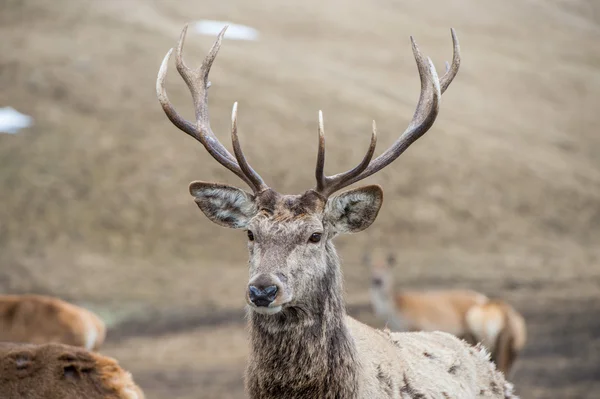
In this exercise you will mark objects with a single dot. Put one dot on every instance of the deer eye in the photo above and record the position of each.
(315, 237)
(250, 235)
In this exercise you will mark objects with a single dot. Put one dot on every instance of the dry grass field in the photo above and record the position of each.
(502, 195)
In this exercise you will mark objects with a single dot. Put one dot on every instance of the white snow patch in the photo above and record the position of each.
(11, 120)
(234, 32)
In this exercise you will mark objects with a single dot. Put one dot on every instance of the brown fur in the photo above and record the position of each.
(57, 371)
(504, 342)
(436, 310)
(40, 319)
(427, 310)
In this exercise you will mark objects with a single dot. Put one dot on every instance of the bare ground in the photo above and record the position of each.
(502, 195)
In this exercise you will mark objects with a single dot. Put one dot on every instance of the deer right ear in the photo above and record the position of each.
(224, 205)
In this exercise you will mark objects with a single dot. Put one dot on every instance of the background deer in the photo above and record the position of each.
(40, 319)
(303, 344)
(466, 314)
(500, 328)
(57, 371)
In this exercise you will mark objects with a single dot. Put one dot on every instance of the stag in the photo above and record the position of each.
(57, 371)
(40, 319)
(303, 343)
(467, 314)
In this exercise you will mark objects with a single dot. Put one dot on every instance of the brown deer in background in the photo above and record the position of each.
(41, 319)
(303, 344)
(56, 371)
(501, 329)
(466, 314)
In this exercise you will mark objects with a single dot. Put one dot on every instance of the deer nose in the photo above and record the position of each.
(262, 296)
(377, 281)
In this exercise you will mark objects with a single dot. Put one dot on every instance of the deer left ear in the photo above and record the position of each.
(354, 210)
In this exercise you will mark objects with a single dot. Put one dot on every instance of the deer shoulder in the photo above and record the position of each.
(433, 364)
(30, 371)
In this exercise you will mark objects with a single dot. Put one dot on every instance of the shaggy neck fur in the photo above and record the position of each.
(306, 351)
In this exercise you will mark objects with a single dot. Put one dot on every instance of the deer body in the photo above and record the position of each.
(303, 344)
(435, 310)
(321, 352)
(57, 371)
(40, 319)
(466, 314)
(427, 310)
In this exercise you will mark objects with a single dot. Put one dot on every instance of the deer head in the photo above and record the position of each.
(289, 236)
(381, 271)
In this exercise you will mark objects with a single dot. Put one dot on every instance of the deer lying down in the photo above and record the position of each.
(40, 319)
(466, 314)
(57, 371)
(303, 344)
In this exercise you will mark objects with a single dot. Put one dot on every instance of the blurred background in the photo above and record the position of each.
(502, 195)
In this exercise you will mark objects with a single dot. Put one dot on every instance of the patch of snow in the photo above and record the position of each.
(234, 32)
(11, 120)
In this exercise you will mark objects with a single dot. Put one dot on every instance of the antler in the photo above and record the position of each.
(423, 118)
(198, 84)
(326, 185)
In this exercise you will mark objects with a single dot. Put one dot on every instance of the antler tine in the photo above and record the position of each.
(451, 70)
(320, 169)
(254, 177)
(161, 93)
(423, 118)
(327, 185)
(198, 84)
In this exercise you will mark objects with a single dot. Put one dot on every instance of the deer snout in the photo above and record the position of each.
(377, 281)
(262, 297)
(264, 290)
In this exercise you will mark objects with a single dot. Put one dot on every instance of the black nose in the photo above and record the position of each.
(377, 282)
(262, 296)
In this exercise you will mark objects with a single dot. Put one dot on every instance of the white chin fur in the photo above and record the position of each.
(263, 310)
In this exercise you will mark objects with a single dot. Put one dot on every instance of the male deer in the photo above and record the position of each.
(57, 371)
(467, 314)
(40, 319)
(303, 344)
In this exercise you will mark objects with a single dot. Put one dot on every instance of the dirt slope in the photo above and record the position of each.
(502, 195)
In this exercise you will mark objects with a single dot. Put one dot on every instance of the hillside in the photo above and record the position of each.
(502, 195)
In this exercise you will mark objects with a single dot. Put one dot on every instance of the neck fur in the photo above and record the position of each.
(306, 350)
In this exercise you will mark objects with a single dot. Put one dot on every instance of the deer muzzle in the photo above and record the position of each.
(265, 294)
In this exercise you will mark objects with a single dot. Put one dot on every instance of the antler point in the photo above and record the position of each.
(222, 33)
(234, 111)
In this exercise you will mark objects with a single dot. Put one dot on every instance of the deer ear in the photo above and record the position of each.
(224, 205)
(354, 210)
